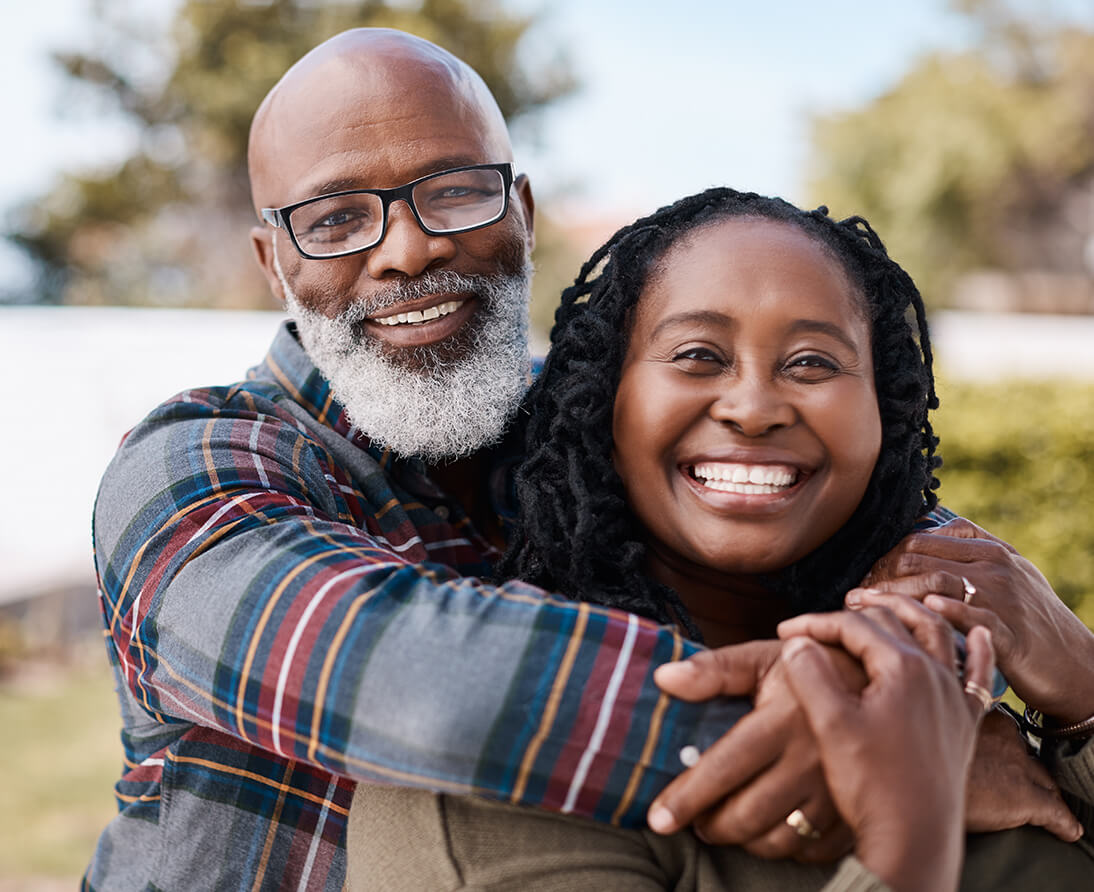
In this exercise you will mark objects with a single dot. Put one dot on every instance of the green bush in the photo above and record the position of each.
(1019, 461)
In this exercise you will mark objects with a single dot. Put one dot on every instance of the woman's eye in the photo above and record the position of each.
(699, 360)
(812, 367)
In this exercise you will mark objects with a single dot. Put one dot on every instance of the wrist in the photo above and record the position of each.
(1051, 728)
(915, 856)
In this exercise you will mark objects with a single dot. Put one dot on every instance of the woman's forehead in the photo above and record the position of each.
(734, 264)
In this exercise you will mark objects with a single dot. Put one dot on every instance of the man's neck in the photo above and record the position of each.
(464, 480)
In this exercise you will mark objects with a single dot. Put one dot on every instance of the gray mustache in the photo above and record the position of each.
(400, 292)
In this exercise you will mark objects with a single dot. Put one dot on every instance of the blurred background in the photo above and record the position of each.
(962, 129)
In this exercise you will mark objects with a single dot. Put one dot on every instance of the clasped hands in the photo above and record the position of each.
(770, 765)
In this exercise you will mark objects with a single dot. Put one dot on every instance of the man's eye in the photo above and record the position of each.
(338, 218)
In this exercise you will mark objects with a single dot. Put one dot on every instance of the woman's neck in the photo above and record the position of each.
(727, 608)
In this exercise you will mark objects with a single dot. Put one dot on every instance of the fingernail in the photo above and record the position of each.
(679, 669)
(661, 820)
(853, 599)
(934, 602)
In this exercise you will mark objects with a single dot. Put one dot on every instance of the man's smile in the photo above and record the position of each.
(427, 320)
(412, 317)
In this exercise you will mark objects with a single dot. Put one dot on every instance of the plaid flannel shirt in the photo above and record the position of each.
(289, 610)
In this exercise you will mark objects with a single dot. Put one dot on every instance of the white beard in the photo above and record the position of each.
(431, 407)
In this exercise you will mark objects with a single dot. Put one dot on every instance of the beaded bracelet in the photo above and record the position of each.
(1035, 724)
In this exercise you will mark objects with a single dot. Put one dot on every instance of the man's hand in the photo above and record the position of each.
(743, 787)
(1043, 649)
(1008, 787)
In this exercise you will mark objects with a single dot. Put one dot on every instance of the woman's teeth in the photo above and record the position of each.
(420, 315)
(745, 479)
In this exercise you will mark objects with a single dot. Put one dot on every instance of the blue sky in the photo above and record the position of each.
(678, 95)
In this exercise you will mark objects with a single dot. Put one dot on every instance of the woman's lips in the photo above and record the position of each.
(725, 484)
(745, 479)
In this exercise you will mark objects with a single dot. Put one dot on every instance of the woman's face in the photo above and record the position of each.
(746, 424)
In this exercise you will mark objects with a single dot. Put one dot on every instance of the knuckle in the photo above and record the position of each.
(908, 564)
(727, 826)
(775, 844)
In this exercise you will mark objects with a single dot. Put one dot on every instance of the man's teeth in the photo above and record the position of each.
(420, 315)
(744, 479)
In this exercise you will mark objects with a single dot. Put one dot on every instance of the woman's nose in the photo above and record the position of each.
(752, 406)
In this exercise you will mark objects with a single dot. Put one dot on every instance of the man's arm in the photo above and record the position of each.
(238, 595)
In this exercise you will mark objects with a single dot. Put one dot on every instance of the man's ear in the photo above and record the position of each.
(262, 244)
(528, 204)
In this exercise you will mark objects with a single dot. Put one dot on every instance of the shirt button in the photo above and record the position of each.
(441, 511)
(689, 755)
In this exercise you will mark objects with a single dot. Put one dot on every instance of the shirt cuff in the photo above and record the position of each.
(854, 876)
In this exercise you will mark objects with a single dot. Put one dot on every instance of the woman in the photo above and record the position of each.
(731, 428)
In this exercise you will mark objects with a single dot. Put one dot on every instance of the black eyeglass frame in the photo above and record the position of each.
(279, 217)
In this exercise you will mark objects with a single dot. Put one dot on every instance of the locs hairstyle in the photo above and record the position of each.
(575, 534)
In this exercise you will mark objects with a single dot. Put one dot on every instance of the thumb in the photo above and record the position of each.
(730, 671)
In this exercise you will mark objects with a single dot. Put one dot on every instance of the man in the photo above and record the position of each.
(292, 603)
(290, 566)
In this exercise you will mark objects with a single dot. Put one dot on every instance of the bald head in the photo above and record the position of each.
(376, 91)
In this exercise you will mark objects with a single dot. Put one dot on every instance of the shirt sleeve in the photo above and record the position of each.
(237, 597)
(1071, 763)
(854, 876)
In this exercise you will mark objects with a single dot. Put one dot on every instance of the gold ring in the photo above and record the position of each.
(970, 590)
(981, 693)
(801, 825)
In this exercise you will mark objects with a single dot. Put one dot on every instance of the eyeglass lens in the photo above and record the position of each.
(448, 202)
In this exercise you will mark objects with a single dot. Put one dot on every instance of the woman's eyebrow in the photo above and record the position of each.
(712, 317)
(694, 317)
(819, 326)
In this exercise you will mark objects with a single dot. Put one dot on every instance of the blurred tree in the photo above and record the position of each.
(979, 159)
(169, 225)
(1018, 459)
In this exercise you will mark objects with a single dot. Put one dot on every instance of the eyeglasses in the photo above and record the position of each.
(458, 200)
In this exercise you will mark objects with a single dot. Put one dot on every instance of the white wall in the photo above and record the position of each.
(72, 382)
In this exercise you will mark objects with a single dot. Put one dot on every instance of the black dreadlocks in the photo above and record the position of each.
(575, 533)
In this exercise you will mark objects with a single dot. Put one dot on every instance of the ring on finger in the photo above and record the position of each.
(970, 590)
(980, 692)
(801, 825)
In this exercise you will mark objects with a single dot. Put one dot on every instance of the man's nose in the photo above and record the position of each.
(752, 405)
(405, 249)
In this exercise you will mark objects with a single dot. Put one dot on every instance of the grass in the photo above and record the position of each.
(59, 758)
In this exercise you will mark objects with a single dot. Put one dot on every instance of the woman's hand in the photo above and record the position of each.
(896, 755)
(1043, 649)
(766, 766)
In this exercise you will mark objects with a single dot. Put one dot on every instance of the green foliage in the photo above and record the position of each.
(170, 225)
(976, 159)
(60, 757)
(1019, 461)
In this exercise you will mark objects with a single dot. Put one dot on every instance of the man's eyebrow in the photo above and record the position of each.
(348, 184)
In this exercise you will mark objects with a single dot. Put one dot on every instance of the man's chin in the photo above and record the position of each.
(424, 358)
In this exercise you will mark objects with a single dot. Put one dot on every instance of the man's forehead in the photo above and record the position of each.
(391, 106)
